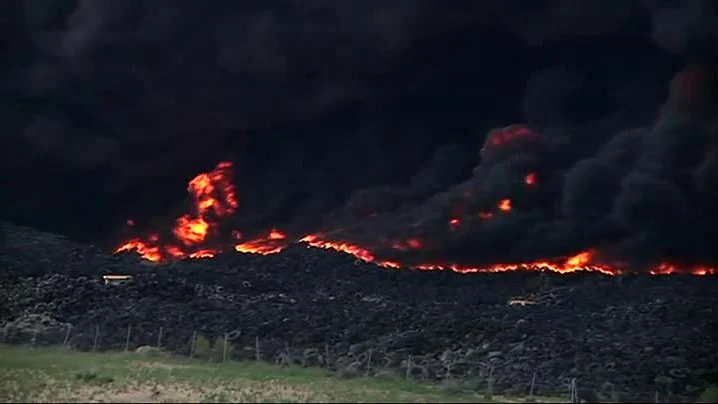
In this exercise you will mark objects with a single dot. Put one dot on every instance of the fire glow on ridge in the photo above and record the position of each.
(196, 234)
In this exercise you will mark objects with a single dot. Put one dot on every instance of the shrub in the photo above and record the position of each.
(204, 349)
(93, 377)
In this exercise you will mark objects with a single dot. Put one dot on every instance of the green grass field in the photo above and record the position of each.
(56, 375)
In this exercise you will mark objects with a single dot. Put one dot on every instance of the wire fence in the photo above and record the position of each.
(234, 346)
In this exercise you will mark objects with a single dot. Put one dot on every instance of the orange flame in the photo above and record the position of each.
(273, 243)
(213, 198)
(145, 250)
(360, 253)
(580, 262)
(668, 269)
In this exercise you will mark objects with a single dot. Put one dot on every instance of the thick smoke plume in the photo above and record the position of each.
(643, 196)
(343, 122)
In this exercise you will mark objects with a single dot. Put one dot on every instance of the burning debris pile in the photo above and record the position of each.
(623, 338)
(623, 209)
(214, 197)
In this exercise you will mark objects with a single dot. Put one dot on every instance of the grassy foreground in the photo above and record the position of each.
(56, 375)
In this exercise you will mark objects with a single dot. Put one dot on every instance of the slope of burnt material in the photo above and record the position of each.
(622, 338)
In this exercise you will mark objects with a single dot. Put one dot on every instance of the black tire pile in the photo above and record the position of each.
(625, 338)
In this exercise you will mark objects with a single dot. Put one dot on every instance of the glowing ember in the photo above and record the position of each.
(505, 205)
(276, 235)
(411, 244)
(414, 243)
(203, 254)
(454, 224)
(510, 134)
(531, 179)
(667, 269)
(688, 87)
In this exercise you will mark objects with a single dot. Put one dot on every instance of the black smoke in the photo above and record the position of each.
(371, 116)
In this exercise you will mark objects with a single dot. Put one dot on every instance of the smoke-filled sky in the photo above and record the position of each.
(373, 121)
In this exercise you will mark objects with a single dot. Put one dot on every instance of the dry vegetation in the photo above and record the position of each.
(56, 375)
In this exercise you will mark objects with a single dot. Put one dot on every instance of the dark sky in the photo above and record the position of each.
(331, 109)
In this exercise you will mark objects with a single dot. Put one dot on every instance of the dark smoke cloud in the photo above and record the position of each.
(135, 67)
(110, 101)
(677, 25)
(542, 21)
(631, 199)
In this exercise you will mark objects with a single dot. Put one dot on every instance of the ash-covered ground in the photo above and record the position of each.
(621, 338)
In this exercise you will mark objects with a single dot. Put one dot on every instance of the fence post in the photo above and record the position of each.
(573, 394)
(533, 383)
(224, 349)
(408, 367)
(257, 355)
(4, 334)
(159, 339)
(191, 344)
(97, 336)
(490, 385)
(127, 337)
(34, 337)
(67, 335)
(326, 353)
(368, 362)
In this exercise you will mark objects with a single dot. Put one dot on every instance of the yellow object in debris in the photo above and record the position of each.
(113, 279)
